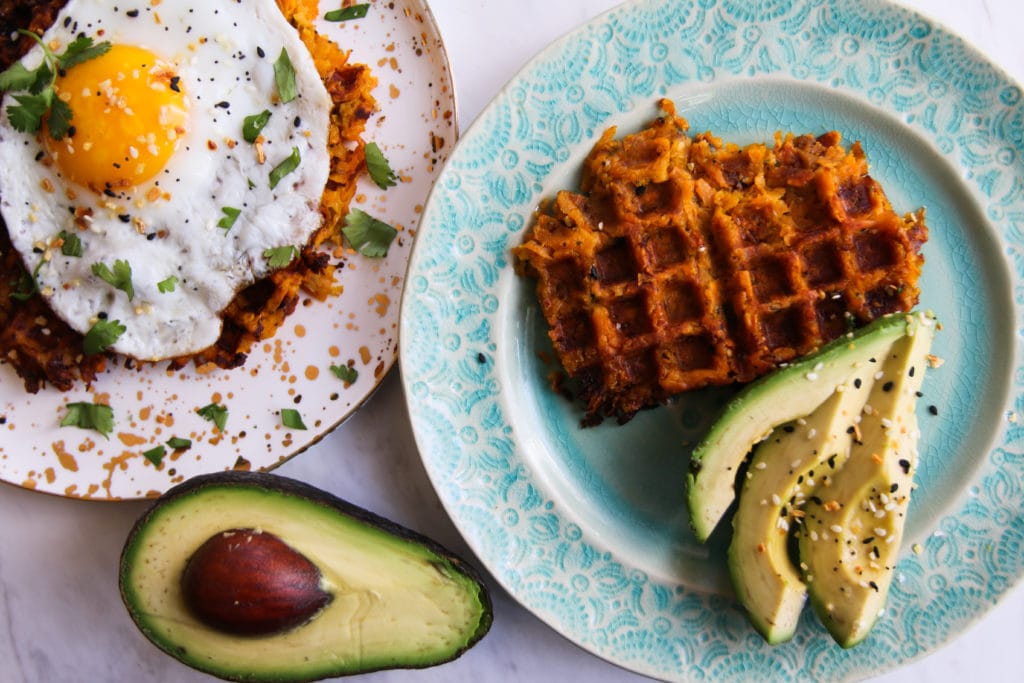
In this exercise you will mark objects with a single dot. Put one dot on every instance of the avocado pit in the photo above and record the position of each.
(249, 582)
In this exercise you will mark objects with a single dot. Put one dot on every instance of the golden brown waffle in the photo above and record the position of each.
(686, 262)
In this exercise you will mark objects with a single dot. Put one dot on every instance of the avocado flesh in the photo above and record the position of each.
(784, 470)
(850, 540)
(782, 396)
(398, 599)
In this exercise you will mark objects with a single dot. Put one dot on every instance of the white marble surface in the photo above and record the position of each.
(60, 615)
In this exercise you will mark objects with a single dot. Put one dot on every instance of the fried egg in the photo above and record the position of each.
(173, 209)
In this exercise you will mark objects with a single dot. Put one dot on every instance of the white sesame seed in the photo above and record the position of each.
(879, 531)
(776, 500)
(836, 529)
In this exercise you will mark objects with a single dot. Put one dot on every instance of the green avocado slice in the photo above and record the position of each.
(853, 528)
(395, 599)
(784, 395)
(785, 468)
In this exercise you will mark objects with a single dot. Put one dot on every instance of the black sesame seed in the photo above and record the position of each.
(481, 358)
(102, 315)
(894, 488)
(132, 13)
(124, 217)
(223, 104)
(176, 83)
(869, 539)
(40, 155)
(857, 383)
(789, 429)
(297, 122)
(873, 585)
(887, 387)
(260, 52)
(913, 370)
(934, 410)
(904, 465)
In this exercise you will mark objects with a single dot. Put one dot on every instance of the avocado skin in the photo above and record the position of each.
(281, 485)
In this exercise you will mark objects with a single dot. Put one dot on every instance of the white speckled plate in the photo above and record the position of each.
(587, 527)
(415, 127)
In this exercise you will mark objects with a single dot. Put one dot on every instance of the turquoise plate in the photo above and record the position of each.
(587, 527)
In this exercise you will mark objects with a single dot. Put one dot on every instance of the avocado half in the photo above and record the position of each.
(256, 577)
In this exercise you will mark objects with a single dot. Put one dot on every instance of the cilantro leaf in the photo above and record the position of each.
(253, 125)
(279, 257)
(291, 419)
(29, 111)
(17, 77)
(155, 455)
(59, 121)
(231, 215)
(81, 49)
(167, 284)
(118, 278)
(345, 373)
(178, 443)
(27, 115)
(348, 13)
(215, 413)
(102, 336)
(284, 76)
(93, 416)
(70, 244)
(379, 168)
(367, 235)
(284, 168)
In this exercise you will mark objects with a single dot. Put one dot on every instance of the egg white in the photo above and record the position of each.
(224, 52)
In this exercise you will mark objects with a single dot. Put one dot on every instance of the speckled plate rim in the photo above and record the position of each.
(415, 126)
(458, 409)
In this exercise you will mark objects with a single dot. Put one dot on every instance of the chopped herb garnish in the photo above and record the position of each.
(93, 416)
(379, 168)
(279, 257)
(178, 443)
(231, 215)
(291, 419)
(367, 235)
(167, 284)
(118, 277)
(284, 76)
(41, 101)
(345, 373)
(70, 244)
(284, 168)
(101, 336)
(215, 413)
(155, 455)
(253, 125)
(348, 13)
(27, 284)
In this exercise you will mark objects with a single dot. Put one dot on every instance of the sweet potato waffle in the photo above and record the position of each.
(45, 351)
(685, 262)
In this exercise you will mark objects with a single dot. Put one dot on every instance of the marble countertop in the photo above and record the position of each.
(61, 618)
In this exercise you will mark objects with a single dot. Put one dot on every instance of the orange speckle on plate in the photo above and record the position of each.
(312, 372)
(51, 476)
(383, 302)
(334, 351)
(394, 92)
(365, 355)
(145, 412)
(66, 460)
(131, 439)
(300, 331)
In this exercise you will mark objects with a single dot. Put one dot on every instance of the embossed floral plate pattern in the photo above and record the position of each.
(415, 128)
(587, 527)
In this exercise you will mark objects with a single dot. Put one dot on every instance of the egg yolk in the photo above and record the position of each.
(129, 111)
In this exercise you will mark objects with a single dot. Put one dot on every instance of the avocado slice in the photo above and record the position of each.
(783, 472)
(782, 396)
(853, 528)
(256, 577)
